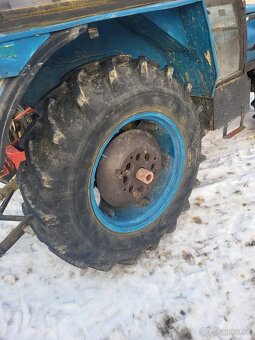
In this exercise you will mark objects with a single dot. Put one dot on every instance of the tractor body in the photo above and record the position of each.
(40, 44)
(103, 105)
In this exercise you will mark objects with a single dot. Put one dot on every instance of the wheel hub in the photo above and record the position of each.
(129, 168)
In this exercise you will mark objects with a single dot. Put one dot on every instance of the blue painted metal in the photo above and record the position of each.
(250, 8)
(134, 218)
(250, 34)
(176, 29)
(179, 37)
(15, 54)
(95, 18)
(250, 40)
(169, 33)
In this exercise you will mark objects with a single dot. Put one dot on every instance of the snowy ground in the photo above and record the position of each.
(201, 276)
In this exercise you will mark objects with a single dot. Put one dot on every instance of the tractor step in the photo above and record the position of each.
(227, 135)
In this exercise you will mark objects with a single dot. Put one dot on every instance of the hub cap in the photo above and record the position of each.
(129, 168)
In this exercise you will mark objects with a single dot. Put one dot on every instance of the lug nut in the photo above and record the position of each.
(145, 176)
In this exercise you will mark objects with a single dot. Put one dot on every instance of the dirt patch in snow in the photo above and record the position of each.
(198, 282)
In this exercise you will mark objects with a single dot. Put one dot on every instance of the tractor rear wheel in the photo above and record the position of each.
(112, 162)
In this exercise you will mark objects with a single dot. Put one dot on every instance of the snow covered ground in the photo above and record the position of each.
(201, 276)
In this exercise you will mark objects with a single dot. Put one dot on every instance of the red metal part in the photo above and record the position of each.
(14, 157)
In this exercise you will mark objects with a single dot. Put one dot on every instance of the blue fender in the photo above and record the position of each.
(175, 33)
(14, 55)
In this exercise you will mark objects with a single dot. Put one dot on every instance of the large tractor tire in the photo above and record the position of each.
(112, 162)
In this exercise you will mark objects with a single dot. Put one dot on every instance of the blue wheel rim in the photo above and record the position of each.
(134, 218)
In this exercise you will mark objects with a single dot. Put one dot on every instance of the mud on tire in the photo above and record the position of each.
(75, 120)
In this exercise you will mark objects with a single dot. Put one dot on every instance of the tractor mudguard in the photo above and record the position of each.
(172, 33)
(13, 89)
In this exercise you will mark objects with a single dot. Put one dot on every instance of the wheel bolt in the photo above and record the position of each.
(145, 176)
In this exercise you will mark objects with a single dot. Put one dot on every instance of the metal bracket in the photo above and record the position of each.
(231, 134)
(6, 194)
(4, 205)
(14, 235)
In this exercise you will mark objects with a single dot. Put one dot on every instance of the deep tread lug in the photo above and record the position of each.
(154, 245)
(171, 229)
(188, 87)
(203, 133)
(203, 158)
(186, 206)
(124, 58)
(196, 183)
(112, 73)
(132, 260)
(169, 72)
(143, 67)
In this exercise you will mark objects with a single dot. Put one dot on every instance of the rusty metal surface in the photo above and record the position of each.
(234, 132)
(8, 189)
(121, 161)
(231, 100)
(14, 235)
(145, 176)
(6, 194)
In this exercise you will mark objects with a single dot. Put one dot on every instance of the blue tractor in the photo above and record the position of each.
(103, 105)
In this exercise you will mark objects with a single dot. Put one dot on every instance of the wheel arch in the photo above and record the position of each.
(13, 89)
(188, 48)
